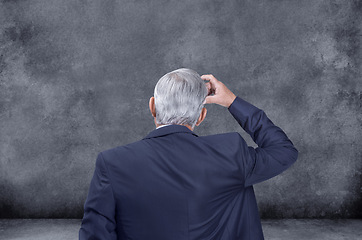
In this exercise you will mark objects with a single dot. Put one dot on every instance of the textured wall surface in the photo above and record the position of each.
(76, 77)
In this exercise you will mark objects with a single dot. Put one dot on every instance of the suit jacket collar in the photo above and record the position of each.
(169, 130)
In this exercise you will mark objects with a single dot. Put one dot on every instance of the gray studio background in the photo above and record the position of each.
(76, 77)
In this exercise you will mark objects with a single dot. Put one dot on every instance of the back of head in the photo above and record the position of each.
(179, 97)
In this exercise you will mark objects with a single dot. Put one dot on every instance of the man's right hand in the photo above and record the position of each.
(222, 95)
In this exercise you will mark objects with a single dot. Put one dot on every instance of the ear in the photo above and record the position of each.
(202, 116)
(152, 106)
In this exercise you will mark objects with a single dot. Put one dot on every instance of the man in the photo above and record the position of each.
(176, 185)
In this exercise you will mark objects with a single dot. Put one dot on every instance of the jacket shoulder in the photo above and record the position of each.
(229, 136)
(121, 151)
(230, 140)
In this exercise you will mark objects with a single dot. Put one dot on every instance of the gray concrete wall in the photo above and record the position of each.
(76, 77)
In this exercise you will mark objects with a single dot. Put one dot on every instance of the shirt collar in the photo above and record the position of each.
(172, 128)
(163, 126)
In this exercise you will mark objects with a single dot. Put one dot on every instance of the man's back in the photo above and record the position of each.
(175, 185)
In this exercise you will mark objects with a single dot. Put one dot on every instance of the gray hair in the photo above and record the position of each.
(179, 97)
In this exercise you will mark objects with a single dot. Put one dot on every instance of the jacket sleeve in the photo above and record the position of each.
(275, 152)
(99, 209)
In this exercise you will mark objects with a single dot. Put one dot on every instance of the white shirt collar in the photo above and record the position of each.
(163, 126)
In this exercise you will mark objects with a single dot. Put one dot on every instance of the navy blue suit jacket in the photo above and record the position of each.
(176, 185)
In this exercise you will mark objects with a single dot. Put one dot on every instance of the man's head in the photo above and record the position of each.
(178, 98)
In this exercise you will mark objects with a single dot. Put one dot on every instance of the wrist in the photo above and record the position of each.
(232, 99)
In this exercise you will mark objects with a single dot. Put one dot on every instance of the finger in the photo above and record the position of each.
(209, 99)
(208, 86)
(211, 78)
(206, 76)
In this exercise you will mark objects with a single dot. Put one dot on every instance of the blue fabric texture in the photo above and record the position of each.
(176, 185)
